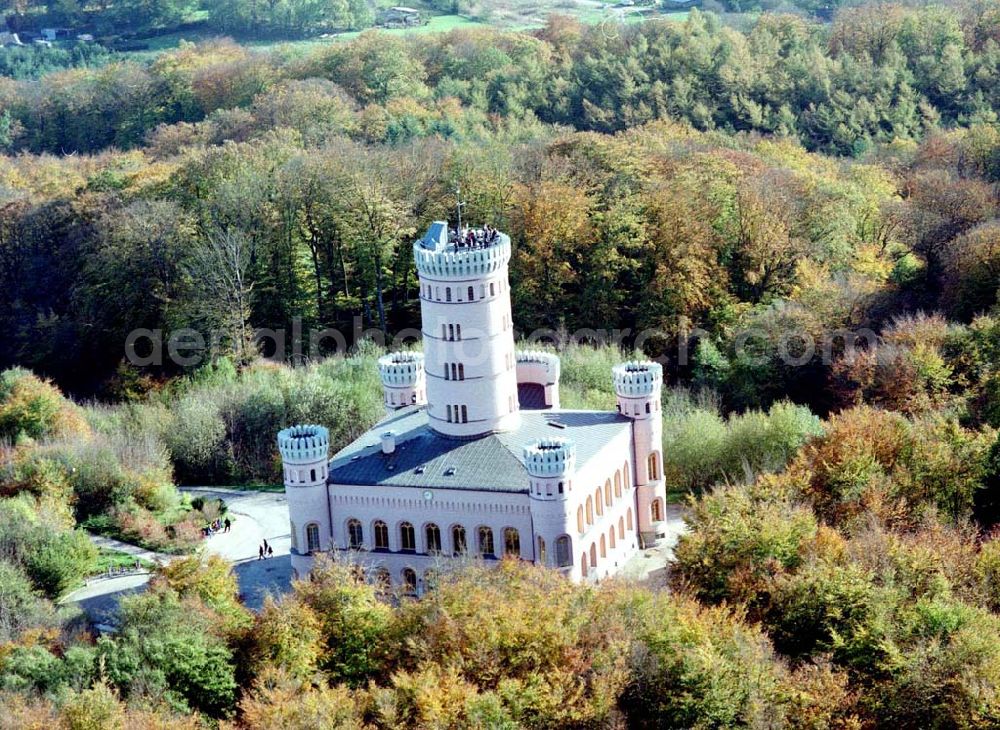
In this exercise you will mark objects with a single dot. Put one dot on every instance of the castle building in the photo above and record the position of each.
(475, 457)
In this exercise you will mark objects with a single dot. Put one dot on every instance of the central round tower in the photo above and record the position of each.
(468, 333)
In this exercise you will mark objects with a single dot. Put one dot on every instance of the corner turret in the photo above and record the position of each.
(540, 369)
(638, 387)
(305, 452)
(404, 382)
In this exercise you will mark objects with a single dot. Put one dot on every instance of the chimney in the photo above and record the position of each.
(388, 442)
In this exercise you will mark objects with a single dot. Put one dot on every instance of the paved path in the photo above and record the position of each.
(123, 547)
(652, 566)
(256, 516)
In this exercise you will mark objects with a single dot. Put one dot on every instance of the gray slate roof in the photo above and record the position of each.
(487, 463)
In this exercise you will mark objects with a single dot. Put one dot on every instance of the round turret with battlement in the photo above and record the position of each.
(638, 387)
(540, 369)
(305, 452)
(550, 458)
(404, 381)
(637, 379)
(468, 331)
(304, 444)
(446, 254)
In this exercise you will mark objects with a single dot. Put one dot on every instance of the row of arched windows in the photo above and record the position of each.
(585, 513)
(470, 292)
(454, 371)
(457, 414)
(451, 332)
(485, 546)
(650, 407)
(601, 546)
(298, 476)
(390, 398)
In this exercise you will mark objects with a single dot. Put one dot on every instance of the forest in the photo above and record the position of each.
(800, 219)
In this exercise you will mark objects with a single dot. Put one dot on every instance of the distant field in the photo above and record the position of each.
(514, 15)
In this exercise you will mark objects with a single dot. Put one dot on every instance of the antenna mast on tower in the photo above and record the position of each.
(459, 204)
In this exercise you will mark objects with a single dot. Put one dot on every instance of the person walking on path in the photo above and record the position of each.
(266, 546)
(260, 552)
(227, 524)
(270, 551)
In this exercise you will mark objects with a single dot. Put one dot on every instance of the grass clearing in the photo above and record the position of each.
(108, 559)
(512, 15)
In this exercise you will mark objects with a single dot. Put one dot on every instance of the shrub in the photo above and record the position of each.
(21, 605)
(53, 557)
(197, 442)
(32, 407)
(355, 622)
(737, 541)
(168, 649)
(700, 449)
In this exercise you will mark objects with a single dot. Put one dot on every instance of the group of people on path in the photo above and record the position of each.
(264, 551)
(216, 526)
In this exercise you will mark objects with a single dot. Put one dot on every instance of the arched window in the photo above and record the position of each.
(312, 475)
(465, 414)
(564, 551)
(433, 535)
(579, 519)
(486, 548)
(604, 547)
(493, 289)
(409, 581)
(628, 519)
(451, 332)
(593, 555)
(621, 528)
(454, 371)
(541, 551)
(628, 475)
(607, 492)
(447, 293)
(458, 544)
(590, 510)
(611, 537)
(446, 372)
(656, 510)
(583, 565)
(647, 407)
(654, 465)
(312, 537)
(382, 578)
(449, 413)
(598, 502)
(472, 294)
(618, 484)
(381, 531)
(355, 535)
(461, 371)
(407, 538)
(511, 542)
(458, 332)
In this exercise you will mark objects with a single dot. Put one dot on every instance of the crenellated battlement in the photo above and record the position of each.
(304, 444)
(444, 254)
(401, 369)
(637, 379)
(546, 360)
(550, 457)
